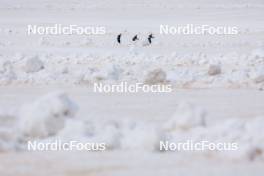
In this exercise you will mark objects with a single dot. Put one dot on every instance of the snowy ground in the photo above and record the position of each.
(221, 106)
(33, 67)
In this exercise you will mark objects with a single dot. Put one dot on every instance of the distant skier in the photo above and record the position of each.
(119, 38)
(150, 37)
(135, 38)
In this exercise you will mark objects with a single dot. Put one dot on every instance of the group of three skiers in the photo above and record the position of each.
(135, 38)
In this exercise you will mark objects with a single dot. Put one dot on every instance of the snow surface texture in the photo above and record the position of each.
(191, 71)
(49, 118)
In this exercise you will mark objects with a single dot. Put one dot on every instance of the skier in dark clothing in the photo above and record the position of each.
(119, 38)
(135, 38)
(150, 37)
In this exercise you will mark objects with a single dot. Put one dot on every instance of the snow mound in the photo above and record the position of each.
(141, 137)
(111, 134)
(214, 70)
(245, 134)
(33, 64)
(46, 116)
(7, 75)
(156, 76)
(187, 116)
(259, 79)
(122, 135)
